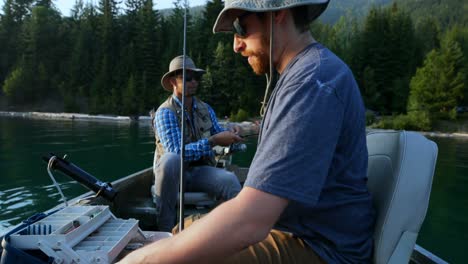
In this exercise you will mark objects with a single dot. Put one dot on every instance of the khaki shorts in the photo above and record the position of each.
(278, 248)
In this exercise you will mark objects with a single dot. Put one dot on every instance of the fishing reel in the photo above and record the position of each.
(233, 148)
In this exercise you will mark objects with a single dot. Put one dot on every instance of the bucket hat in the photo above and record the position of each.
(177, 64)
(232, 7)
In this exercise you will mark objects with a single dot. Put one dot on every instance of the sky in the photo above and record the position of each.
(66, 5)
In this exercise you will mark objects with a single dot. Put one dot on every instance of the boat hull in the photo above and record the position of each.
(132, 201)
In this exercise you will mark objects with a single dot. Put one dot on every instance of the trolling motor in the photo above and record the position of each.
(100, 188)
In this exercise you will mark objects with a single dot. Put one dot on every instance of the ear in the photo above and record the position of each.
(173, 81)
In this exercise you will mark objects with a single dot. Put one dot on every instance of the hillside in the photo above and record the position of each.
(446, 12)
(336, 9)
(195, 11)
(359, 8)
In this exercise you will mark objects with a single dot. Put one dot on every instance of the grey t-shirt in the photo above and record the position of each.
(312, 151)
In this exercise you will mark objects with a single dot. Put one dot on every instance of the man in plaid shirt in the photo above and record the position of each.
(202, 132)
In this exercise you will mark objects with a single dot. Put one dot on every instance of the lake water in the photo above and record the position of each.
(111, 150)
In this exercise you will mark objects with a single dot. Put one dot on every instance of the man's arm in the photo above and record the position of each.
(229, 228)
(167, 127)
(216, 127)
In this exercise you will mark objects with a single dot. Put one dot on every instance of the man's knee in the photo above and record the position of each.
(166, 171)
(231, 182)
(232, 179)
(168, 164)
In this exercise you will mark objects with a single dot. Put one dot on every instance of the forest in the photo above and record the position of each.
(409, 57)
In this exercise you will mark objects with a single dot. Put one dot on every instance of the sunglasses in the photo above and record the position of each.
(237, 28)
(189, 77)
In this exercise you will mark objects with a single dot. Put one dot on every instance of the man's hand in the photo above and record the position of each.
(251, 214)
(224, 138)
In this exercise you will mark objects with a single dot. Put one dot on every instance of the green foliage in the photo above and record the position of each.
(129, 97)
(448, 12)
(357, 8)
(70, 104)
(13, 86)
(387, 58)
(414, 120)
(105, 60)
(439, 85)
(427, 36)
(370, 118)
(240, 116)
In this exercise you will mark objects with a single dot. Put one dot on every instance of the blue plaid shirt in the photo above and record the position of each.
(167, 127)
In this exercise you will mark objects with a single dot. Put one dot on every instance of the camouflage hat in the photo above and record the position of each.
(177, 64)
(232, 8)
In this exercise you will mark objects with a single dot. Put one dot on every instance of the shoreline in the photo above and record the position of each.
(247, 125)
(70, 116)
(430, 133)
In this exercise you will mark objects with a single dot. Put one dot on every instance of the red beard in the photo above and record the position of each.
(259, 61)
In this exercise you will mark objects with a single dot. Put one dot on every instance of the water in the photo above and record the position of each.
(107, 150)
(111, 150)
(445, 229)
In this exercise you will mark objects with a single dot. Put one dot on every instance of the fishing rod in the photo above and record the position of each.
(182, 134)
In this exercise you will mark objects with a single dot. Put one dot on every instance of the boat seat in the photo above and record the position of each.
(197, 199)
(400, 172)
(202, 199)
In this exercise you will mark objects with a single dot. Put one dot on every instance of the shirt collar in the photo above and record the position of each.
(178, 102)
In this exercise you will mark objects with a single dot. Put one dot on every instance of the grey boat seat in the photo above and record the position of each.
(400, 172)
(203, 199)
(197, 199)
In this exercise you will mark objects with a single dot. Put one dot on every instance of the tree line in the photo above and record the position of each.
(105, 59)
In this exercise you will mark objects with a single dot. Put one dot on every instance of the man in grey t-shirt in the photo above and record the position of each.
(305, 199)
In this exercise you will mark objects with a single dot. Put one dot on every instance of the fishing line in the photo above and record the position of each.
(182, 135)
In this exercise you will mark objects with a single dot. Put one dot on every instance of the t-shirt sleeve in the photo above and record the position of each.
(298, 141)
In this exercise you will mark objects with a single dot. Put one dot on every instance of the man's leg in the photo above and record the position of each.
(278, 248)
(219, 182)
(166, 173)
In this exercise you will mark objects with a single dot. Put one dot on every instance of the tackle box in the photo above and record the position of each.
(74, 234)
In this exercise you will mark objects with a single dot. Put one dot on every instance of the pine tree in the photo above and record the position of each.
(203, 42)
(389, 50)
(41, 52)
(376, 56)
(129, 97)
(402, 63)
(11, 22)
(150, 48)
(439, 85)
(104, 84)
(173, 33)
(13, 86)
(84, 54)
(427, 37)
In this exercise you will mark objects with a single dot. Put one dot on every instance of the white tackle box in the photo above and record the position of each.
(78, 234)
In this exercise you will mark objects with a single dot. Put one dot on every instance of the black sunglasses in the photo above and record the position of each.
(237, 28)
(189, 76)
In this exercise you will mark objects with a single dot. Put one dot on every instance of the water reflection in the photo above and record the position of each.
(445, 228)
(13, 203)
(107, 150)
